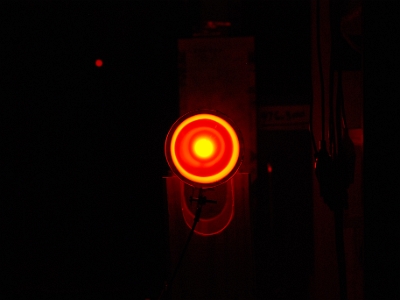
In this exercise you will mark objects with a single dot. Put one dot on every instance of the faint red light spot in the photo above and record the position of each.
(99, 63)
(269, 168)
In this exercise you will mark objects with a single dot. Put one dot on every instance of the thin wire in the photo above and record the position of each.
(167, 286)
(339, 108)
(338, 211)
(310, 128)
(313, 141)
(321, 77)
(340, 89)
(332, 136)
(340, 253)
(333, 63)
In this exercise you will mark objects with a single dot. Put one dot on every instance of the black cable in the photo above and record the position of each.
(168, 284)
(321, 77)
(339, 107)
(340, 254)
(332, 135)
(337, 45)
(310, 128)
(337, 140)
(333, 132)
(341, 100)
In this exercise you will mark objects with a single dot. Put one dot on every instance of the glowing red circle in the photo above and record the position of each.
(99, 63)
(204, 148)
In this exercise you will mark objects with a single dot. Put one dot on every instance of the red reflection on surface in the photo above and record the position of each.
(269, 168)
(98, 63)
(213, 220)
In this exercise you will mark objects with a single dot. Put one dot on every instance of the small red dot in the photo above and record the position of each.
(269, 168)
(99, 63)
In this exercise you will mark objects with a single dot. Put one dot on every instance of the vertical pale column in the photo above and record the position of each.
(218, 73)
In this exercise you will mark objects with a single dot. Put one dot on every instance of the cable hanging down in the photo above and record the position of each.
(201, 201)
(320, 70)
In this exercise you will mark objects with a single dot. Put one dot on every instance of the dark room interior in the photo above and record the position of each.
(90, 90)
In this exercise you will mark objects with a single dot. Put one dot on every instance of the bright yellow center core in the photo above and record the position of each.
(203, 148)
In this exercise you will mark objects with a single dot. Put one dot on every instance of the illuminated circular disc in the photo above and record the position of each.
(204, 148)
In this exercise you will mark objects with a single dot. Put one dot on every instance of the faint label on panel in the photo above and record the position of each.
(292, 117)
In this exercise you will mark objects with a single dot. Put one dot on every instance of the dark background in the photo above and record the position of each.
(83, 204)
(85, 209)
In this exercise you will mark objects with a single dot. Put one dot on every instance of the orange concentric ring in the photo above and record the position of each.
(204, 148)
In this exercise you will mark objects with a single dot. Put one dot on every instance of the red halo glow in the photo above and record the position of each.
(204, 148)
(98, 63)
